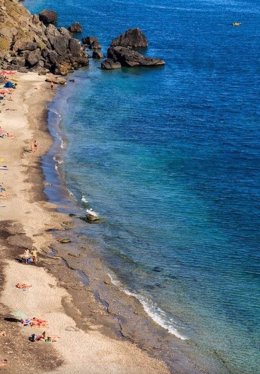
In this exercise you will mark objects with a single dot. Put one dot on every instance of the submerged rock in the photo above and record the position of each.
(133, 38)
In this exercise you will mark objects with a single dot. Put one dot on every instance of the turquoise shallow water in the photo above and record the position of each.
(170, 158)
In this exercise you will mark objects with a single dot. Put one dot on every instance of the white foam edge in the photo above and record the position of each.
(84, 200)
(156, 313)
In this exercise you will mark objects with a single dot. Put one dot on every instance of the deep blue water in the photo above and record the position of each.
(170, 158)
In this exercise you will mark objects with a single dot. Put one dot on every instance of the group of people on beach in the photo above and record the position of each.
(29, 256)
(7, 85)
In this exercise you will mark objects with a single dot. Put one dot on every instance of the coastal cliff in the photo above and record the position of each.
(26, 43)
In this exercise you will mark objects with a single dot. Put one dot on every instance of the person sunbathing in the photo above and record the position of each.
(37, 322)
(23, 285)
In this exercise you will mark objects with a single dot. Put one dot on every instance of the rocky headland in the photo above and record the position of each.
(34, 43)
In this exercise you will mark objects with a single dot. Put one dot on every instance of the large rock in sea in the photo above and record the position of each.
(48, 17)
(133, 38)
(75, 28)
(130, 58)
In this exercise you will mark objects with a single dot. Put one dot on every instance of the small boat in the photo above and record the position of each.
(236, 24)
(92, 216)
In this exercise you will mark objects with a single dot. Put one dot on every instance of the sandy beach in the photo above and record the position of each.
(80, 345)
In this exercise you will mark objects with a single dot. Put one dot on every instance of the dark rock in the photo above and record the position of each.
(95, 46)
(130, 58)
(75, 47)
(33, 57)
(109, 64)
(19, 61)
(60, 44)
(133, 38)
(45, 52)
(48, 17)
(97, 54)
(89, 40)
(53, 57)
(75, 28)
(82, 60)
(157, 269)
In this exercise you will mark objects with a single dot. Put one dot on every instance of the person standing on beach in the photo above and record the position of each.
(34, 146)
(34, 255)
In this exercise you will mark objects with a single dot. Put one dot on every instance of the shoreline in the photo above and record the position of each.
(122, 313)
(27, 219)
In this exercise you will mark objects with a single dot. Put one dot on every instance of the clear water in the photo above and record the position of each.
(170, 158)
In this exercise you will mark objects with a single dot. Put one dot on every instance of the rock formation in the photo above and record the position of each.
(122, 52)
(97, 54)
(133, 38)
(26, 43)
(130, 58)
(75, 28)
(91, 42)
(109, 64)
(48, 17)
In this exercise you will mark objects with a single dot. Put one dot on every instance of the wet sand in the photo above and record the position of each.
(90, 334)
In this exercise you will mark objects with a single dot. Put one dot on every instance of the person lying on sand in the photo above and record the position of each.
(23, 285)
(42, 337)
(3, 362)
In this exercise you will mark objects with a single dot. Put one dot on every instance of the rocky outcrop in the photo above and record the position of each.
(48, 17)
(54, 79)
(133, 38)
(97, 54)
(109, 64)
(129, 58)
(122, 52)
(26, 43)
(75, 28)
(91, 42)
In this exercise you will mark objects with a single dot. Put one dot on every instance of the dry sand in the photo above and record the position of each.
(76, 351)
